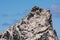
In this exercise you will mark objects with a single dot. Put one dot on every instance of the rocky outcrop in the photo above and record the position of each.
(37, 25)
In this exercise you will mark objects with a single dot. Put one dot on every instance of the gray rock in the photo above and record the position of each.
(37, 25)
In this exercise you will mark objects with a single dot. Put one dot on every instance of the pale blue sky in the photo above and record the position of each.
(13, 10)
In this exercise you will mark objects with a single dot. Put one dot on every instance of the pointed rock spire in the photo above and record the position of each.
(37, 25)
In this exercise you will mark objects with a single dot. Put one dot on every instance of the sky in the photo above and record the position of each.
(11, 11)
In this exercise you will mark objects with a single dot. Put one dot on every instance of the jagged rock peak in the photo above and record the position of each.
(37, 25)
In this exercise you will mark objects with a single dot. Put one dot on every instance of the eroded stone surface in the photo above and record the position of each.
(36, 26)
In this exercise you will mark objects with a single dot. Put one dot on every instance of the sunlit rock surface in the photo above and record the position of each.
(37, 25)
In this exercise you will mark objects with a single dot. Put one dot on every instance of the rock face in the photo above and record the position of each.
(37, 25)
